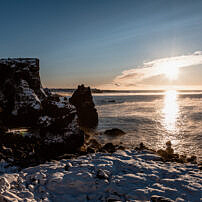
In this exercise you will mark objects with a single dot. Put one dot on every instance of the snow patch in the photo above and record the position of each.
(123, 176)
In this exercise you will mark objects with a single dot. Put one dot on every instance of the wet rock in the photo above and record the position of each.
(90, 150)
(93, 146)
(169, 149)
(169, 155)
(108, 147)
(192, 159)
(114, 132)
(83, 101)
(120, 147)
(142, 146)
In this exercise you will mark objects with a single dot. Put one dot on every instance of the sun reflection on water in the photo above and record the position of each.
(170, 111)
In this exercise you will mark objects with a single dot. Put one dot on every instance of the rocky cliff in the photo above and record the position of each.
(21, 91)
(83, 101)
(55, 122)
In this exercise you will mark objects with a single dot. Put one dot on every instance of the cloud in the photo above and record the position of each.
(156, 68)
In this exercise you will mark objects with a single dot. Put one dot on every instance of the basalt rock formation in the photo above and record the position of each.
(21, 91)
(83, 101)
(24, 103)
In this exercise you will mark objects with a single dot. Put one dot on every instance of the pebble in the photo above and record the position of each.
(102, 174)
(68, 165)
(31, 187)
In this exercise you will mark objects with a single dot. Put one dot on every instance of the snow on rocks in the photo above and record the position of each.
(121, 176)
(25, 96)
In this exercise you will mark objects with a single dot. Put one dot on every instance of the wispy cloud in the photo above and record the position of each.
(155, 68)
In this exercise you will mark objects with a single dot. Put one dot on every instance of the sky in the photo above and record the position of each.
(107, 44)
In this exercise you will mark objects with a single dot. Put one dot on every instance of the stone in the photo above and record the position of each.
(168, 144)
(90, 150)
(102, 174)
(68, 165)
(192, 159)
(114, 132)
(93, 146)
(108, 147)
(83, 101)
(21, 91)
(31, 187)
(51, 119)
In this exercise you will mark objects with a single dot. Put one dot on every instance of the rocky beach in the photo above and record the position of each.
(49, 150)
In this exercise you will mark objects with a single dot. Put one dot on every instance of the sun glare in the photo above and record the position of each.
(170, 110)
(170, 70)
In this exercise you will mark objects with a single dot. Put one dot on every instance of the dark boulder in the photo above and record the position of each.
(21, 91)
(114, 132)
(109, 148)
(83, 101)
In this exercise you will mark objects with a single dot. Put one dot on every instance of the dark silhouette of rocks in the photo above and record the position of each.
(114, 132)
(21, 91)
(83, 101)
(109, 148)
(169, 155)
(51, 119)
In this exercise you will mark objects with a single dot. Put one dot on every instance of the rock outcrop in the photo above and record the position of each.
(21, 91)
(83, 101)
(24, 103)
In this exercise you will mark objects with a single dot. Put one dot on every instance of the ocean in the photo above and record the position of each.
(153, 117)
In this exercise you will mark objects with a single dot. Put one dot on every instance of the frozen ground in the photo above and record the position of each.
(122, 176)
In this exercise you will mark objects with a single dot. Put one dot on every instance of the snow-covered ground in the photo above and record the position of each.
(122, 176)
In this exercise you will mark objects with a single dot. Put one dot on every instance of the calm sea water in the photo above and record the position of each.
(153, 118)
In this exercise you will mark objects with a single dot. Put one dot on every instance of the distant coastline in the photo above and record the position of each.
(95, 90)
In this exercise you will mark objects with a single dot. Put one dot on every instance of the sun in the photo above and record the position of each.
(170, 70)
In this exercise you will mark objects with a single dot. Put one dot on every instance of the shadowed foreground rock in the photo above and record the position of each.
(21, 91)
(83, 101)
(128, 175)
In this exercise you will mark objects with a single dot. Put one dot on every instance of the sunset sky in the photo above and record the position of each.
(108, 44)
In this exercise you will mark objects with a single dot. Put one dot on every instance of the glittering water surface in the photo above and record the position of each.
(154, 118)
